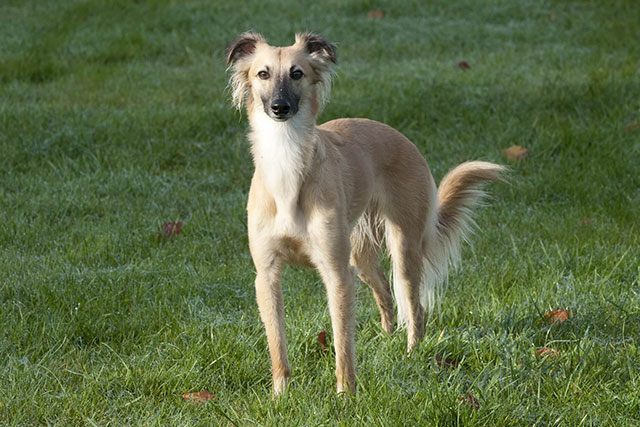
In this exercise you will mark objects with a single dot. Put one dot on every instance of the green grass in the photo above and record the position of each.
(114, 118)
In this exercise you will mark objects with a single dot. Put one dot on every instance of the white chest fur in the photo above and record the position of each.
(281, 152)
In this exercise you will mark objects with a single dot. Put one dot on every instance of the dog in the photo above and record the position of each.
(332, 196)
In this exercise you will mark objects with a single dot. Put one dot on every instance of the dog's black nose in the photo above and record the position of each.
(280, 108)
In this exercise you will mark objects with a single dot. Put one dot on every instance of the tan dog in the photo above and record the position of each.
(327, 196)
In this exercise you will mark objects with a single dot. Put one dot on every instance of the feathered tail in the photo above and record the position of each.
(459, 192)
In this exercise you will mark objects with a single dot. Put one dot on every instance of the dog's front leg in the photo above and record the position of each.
(341, 298)
(331, 256)
(271, 306)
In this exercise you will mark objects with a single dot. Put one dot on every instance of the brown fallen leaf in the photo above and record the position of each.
(464, 65)
(376, 14)
(171, 229)
(547, 352)
(198, 398)
(447, 363)
(323, 342)
(471, 401)
(558, 315)
(515, 153)
(631, 127)
(587, 221)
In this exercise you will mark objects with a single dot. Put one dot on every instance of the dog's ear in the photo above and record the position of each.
(322, 55)
(238, 54)
(243, 46)
(317, 46)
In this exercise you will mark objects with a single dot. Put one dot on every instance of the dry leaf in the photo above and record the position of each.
(552, 17)
(323, 342)
(464, 65)
(447, 363)
(559, 315)
(547, 352)
(471, 401)
(587, 221)
(376, 14)
(515, 153)
(171, 229)
(198, 398)
(631, 127)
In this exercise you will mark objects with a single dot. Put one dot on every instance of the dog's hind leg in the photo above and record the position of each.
(366, 258)
(407, 258)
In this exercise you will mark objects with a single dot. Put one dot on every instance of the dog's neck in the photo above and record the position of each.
(282, 154)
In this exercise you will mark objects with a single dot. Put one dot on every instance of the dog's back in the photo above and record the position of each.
(404, 204)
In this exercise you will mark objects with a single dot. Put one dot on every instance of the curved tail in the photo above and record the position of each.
(459, 192)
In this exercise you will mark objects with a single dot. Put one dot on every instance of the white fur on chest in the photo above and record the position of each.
(281, 154)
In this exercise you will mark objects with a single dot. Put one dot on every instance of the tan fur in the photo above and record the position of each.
(328, 196)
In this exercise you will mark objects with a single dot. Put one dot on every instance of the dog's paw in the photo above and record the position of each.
(280, 385)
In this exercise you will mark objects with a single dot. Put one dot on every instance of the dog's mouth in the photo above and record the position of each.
(279, 118)
(281, 115)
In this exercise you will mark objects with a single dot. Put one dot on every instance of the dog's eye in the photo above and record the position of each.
(297, 74)
(263, 75)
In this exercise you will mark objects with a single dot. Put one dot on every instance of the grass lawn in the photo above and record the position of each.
(114, 119)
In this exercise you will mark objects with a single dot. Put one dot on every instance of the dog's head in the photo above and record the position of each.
(280, 79)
